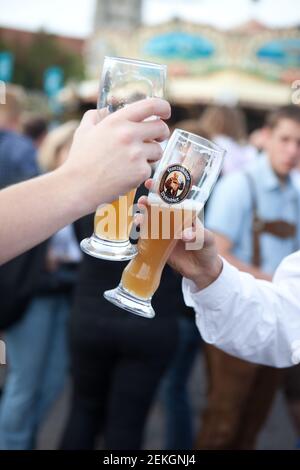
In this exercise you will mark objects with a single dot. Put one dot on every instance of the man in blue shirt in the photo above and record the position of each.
(17, 152)
(255, 217)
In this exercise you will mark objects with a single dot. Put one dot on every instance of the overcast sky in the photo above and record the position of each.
(74, 17)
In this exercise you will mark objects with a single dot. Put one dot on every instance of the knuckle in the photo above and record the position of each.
(157, 151)
(163, 129)
(77, 133)
(160, 126)
(136, 154)
(166, 130)
(89, 113)
(151, 106)
(145, 172)
(125, 136)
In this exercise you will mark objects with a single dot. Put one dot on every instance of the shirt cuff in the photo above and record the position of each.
(216, 293)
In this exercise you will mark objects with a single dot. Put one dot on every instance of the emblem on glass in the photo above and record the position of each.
(175, 184)
(123, 81)
(181, 185)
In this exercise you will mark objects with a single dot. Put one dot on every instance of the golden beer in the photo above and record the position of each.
(123, 81)
(142, 275)
(114, 221)
(181, 185)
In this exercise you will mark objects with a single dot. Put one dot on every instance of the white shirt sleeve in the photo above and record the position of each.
(255, 320)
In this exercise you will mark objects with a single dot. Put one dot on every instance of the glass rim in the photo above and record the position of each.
(130, 60)
(215, 147)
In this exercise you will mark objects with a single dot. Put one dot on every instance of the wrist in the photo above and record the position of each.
(75, 190)
(208, 274)
(80, 191)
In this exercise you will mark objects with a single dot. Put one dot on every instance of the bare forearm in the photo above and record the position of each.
(32, 211)
(107, 158)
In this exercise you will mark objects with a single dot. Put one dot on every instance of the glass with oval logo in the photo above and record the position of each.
(123, 81)
(182, 183)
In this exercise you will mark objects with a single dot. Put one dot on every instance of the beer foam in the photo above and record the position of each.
(187, 204)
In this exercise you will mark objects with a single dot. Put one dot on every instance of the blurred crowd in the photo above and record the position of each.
(56, 324)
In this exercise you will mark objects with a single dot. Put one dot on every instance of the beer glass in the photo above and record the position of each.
(123, 81)
(181, 185)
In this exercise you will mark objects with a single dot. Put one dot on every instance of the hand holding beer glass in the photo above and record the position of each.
(181, 185)
(123, 81)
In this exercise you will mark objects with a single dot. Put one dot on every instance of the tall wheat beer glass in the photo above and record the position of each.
(182, 183)
(123, 81)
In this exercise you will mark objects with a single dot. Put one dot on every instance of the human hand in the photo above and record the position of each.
(111, 156)
(203, 266)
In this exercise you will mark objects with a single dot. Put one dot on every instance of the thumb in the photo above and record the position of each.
(196, 232)
(188, 235)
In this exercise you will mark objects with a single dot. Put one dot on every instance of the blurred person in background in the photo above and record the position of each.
(179, 430)
(36, 342)
(118, 359)
(255, 217)
(227, 127)
(18, 162)
(17, 152)
(292, 387)
(296, 177)
(258, 138)
(35, 126)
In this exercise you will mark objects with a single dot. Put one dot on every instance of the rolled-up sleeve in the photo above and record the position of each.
(255, 320)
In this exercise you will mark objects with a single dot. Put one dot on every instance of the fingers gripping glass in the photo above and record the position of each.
(182, 183)
(123, 81)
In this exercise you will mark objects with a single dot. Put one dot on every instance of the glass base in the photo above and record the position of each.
(108, 249)
(123, 299)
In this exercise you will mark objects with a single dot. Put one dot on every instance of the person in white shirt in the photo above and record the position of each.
(249, 318)
(254, 215)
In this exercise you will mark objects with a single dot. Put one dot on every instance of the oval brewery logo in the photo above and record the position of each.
(175, 184)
